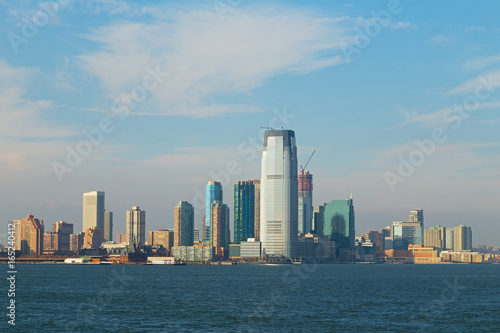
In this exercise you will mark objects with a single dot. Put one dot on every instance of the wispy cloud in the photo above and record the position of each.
(404, 25)
(22, 117)
(208, 59)
(482, 62)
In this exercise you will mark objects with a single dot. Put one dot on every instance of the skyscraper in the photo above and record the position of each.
(220, 228)
(305, 202)
(183, 224)
(136, 226)
(279, 194)
(244, 210)
(435, 237)
(462, 238)
(63, 230)
(108, 226)
(213, 193)
(29, 235)
(93, 210)
(449, 238)
(256, 183)
(336, 221)
(416, 215)
(196, 234)
(93, 238)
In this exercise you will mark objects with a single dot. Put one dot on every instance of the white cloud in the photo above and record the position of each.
(208, 59)
(404, 25)
(470, 86)
(22, 117)
(482, 62)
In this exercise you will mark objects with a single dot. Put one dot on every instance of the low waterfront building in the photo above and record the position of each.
(193, 253)
(424, 254)
(251, 248)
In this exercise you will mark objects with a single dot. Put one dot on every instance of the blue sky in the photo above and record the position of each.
(361, 87)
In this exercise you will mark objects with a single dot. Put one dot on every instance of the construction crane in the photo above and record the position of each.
(303, 168)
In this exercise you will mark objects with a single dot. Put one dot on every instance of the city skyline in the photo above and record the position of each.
(372, 112)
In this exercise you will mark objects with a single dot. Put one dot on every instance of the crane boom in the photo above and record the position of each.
(309, 160)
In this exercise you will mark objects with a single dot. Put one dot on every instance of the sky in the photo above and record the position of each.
(150, 100)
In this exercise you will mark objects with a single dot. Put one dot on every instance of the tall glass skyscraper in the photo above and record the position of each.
(93, 210)
(244, 211)
(213, 194)
(338, 222)
(279, 194)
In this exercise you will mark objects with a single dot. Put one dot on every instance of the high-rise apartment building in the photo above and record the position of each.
(244, 210)
(256, 184)
(108, 226)
(93, 238)
(279, 194)
(93, 210)
(50, 242)
(435, 237)
(29, 235)
(63, 230)
(336, 222)
(214, 193)
(183, 224)
(449, 238)
(220, 228)
(462, 238)
(305, 202)
(76, 241)
(136, 226)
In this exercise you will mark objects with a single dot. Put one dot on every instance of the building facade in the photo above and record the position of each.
(163, 237)
(76, 241)
(93, 210)
(306, 208)
(279, 194)
(63, 230)
(214, 193)
(220, 228)
(93, 238)
(435, 237)
(256, 184)
(406, 233)
(416, 215)
(336, 222)
(184, 224)
(462, 238)
(121, 238)
(136, 226)
(244, 211)
(108, 226)
(29, 235)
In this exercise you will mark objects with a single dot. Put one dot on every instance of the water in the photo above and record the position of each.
(257, 298)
